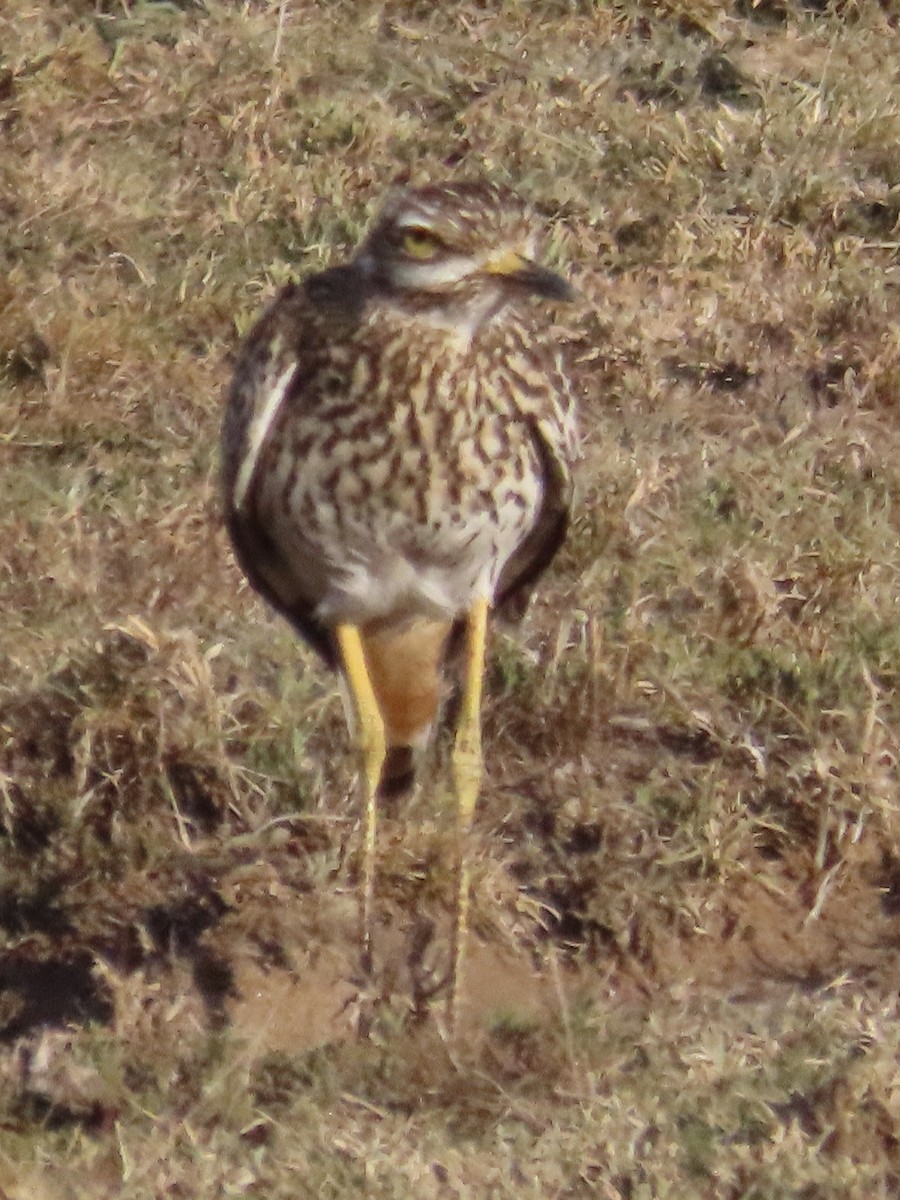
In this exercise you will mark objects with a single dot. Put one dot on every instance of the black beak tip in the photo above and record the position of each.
(544, 282)
(562, 290)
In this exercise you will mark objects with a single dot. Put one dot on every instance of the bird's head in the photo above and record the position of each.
(468, 246)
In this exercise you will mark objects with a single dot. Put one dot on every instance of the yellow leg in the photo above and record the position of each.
(371, 743)
(467, 768)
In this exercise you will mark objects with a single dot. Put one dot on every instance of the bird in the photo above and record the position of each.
(398, 449)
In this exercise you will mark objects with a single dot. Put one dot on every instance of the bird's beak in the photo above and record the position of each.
(529, 275)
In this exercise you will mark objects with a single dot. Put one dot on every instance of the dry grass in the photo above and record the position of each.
(688, 875)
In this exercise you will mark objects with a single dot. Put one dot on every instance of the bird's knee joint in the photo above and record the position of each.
(372, 747)
(371, 738)
(467, 765)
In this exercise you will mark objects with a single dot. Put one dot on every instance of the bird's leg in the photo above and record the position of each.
(371, 745)
(467, 767)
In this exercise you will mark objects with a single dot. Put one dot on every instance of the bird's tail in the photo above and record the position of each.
(405, 665)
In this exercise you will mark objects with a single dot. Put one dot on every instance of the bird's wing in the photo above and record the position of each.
(535, 553)
(275, 365)
(549, 415)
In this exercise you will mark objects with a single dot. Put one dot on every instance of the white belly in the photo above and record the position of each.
(365, 570)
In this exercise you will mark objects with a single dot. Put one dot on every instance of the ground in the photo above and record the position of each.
(686, 903)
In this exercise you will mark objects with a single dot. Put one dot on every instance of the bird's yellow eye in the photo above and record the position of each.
(420, 244)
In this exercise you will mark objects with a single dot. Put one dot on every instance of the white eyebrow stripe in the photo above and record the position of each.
(422, 214)
(258, 431)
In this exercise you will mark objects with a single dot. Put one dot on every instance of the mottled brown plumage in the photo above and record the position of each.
(398, 444)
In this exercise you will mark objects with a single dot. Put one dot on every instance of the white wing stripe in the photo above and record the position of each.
(256, 435)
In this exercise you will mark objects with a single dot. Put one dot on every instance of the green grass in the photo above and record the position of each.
(687, 867)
